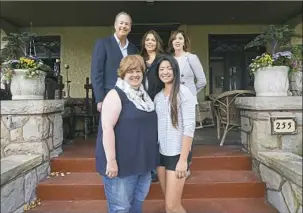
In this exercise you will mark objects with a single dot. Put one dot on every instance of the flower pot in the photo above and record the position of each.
(271, 81)
(27, 88)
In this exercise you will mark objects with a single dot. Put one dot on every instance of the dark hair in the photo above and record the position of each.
(174, 94)
(172, 37)
(159, 44)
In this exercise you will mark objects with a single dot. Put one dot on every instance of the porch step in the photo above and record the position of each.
(221, 205)
(221, 182)
(206, 184)
(204, 158)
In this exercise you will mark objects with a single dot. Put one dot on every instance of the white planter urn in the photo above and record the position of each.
(271, 81)
(27, 89)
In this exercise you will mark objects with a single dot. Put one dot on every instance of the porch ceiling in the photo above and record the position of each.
(97, 13)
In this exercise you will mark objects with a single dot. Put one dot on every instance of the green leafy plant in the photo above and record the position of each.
(19, 53)
(264, 60)
(277, 38)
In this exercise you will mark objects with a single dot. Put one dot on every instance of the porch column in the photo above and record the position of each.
(272, 134)
(257, 123)
(32, 127)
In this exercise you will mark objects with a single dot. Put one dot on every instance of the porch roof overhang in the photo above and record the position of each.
(102, 13)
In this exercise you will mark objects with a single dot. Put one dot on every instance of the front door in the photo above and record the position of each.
(229, 62)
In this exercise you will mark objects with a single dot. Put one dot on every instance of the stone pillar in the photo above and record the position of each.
(277, 158)
(256, 113)
(32, 127)
(296, 80)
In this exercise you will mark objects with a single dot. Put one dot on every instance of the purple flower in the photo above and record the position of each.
(11, 62)
(286, 54)
(33, 57)
(14, 61)
(294, 64)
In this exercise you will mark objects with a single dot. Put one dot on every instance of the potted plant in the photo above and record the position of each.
(271, 69)
(25, 72)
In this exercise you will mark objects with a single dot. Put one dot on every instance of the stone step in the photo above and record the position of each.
(206, 184)
(15, 165)
(221, 205)
(204, 158)
(200, 163)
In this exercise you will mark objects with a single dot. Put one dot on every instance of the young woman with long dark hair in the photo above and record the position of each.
(175, 108)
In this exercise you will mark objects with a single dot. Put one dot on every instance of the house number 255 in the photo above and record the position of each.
(284, 126)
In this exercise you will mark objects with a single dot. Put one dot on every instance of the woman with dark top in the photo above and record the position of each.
(151, 50)
(127, 150)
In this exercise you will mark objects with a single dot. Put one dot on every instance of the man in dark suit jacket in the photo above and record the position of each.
(107, 55)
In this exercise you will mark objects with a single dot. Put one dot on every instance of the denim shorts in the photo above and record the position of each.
(126, 194)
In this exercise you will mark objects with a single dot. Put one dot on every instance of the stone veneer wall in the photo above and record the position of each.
(281, 192)
(28, 128)
(32, 127)
(277, 159)
(19, 187)
(296, 81)
(283, 177)
(256, 126)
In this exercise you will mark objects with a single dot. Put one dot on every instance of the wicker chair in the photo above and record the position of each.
(204, 115)
(227, 115)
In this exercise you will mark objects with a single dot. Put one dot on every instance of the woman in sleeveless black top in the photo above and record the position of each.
(126, 149)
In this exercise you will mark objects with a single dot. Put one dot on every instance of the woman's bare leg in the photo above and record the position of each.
(162, 179)
(173, 193)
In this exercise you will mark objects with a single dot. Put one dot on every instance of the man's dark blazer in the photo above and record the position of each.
(105, 63)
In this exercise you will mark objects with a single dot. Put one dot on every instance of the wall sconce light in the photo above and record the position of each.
(150, 2)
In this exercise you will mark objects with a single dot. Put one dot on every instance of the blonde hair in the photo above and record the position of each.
(130, 62)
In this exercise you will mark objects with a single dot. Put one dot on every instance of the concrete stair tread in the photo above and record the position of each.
(221, 177)
(199, 155)
(201, 163)
(14, 165)
(197, 177)
(80, 157)
(207, 184)
(222, 205)
(85, 149)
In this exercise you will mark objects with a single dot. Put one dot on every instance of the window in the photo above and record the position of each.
(48, 49)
